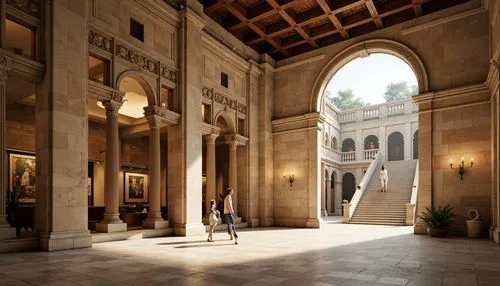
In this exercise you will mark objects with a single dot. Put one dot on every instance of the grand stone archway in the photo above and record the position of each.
(395, 146)
(348, 186)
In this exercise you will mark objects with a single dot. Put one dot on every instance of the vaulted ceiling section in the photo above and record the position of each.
(285, 28)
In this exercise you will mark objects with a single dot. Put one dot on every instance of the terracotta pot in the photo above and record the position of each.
(437, 232)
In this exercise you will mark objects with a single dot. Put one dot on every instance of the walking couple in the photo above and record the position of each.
(228, 212)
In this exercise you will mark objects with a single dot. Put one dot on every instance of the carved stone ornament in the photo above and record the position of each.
(242, 108)
(169, 74)
(137, 59)
(224, 100)
(100, 41)
(31, 7)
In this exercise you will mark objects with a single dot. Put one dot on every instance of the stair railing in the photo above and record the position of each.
(411, 206)
(353, 204)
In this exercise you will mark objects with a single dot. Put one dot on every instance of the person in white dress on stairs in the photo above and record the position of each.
(384, 179)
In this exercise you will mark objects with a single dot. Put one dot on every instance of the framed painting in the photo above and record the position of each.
(22, 176)
(136, 188)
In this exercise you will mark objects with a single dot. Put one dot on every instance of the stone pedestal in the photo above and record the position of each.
(154, 219)
(111, 221)
(6, 231)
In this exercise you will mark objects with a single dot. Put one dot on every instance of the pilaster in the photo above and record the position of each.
(233, 172)
(61, 129)
(6, 231)
(185, 138)
(210, 172)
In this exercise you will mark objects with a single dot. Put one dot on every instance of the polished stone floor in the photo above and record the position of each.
(336, 254)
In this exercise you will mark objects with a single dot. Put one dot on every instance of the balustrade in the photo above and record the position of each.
(349, 156)
(396, 109)
(370, 113)
(370, 154)
(348, 117)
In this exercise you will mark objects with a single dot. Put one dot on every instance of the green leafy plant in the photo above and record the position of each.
(440, 217)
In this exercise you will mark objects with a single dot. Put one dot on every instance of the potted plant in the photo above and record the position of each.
(437, 220)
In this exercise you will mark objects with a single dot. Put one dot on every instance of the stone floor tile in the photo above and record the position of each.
(393, 281)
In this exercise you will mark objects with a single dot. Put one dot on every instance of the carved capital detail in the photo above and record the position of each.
(31, 7)
(242, 108)
(111, 106)
(100, 41)
(137, 59)
(168, 73)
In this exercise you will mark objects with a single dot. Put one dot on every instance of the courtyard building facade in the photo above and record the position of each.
(118, 116)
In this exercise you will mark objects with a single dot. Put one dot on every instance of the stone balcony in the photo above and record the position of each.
(377, 111)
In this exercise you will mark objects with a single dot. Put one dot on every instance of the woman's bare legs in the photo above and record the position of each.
(211, 234)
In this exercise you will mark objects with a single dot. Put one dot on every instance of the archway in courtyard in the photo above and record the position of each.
(348, 186)
(137, 96)
(332, 206)
(371, 147)
(334, 143)
(415, 145)
(395, 147)
(348, 145)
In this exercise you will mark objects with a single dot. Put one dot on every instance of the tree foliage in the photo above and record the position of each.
(399, 91)
(346, 99)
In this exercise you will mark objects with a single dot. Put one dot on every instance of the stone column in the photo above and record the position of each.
(61, 122)
(210, 171)
(6, 231)
(154, 219)
(233, 173)
(338, 197)
(111, 221)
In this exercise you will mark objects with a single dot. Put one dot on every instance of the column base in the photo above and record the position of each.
(155, 224)
(313, 223)
(7, 232)
(189, 229)
(496, 235)
(111, 227)
(491, 231)
(65, 240)
(420, 228)
(253, 222)
(267, 222)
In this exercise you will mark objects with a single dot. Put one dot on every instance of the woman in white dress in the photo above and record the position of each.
(214, 219)
(384, 179)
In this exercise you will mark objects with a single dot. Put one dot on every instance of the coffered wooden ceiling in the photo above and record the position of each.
(284, 28)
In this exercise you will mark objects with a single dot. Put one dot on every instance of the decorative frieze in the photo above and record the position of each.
(31, 7)
(224, 100)
(100, 41)
(168, 73)
(136, 58)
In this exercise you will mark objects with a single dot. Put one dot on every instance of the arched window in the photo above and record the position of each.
(396, 146)
(348, 145)
(334, 143)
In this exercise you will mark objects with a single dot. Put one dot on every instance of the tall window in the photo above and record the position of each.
(20, 39)
(224, 80)
(137, 30)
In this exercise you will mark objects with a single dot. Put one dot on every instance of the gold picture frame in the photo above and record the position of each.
(136, 187)
(22, 176)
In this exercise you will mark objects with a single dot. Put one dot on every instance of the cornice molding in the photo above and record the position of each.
(300, 62)
(161, 10)
(254, 68)
(24, 67)
(443, 20)
(104, 93)
(307, 121)
(225, 53)
(468, 94)
(192, 16)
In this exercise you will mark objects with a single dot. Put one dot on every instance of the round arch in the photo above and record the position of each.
(371, 142)
(395, 146)
(348, 186)
(362, 49)
(228, 120)
(348, 145)
(150, 94)
(334, 143)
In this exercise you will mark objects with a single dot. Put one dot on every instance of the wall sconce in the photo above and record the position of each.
(461, 167)
(290, 177)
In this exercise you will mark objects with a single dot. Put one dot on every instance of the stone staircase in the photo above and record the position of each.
(387, 208)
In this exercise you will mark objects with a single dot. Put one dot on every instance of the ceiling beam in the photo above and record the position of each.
(292, 22)
(417, 7)
(333, 18)
(374, 13)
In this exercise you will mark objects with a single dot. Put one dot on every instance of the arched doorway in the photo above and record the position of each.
(334, 143)
(415, 145)
(327, 189)
(348, 150)
(348, 186)
(136, 96)
(332, 192)
(396, 146)
(371, 147)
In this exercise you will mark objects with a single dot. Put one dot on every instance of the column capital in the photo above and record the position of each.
(236, 139)
(111, 106)
(154, 120)
(4, 68)
(210, 138)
